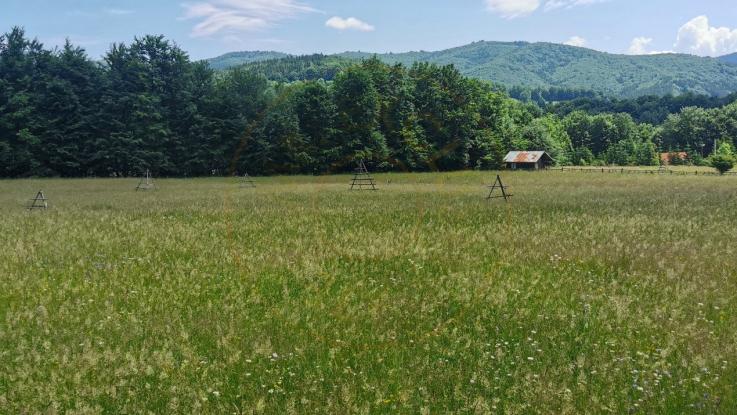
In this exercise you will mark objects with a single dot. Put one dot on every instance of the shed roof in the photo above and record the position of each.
(526, 156)
(668, 157)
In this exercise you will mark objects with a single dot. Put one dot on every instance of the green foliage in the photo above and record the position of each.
(725, 149)
(699, 129)
(357, 104)
(146, 106)
(723, 163)
(582, 156)
(697, 159)
(300, 68)
(551, 95)
(647, 109)
(723, 158)
(546, 66)
(549, 134)
(233, 59)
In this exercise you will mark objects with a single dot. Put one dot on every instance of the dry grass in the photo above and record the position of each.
(585, 294)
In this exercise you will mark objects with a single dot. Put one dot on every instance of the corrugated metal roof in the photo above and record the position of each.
(524, 156)
(666, 157)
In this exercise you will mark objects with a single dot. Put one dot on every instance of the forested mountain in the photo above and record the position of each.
(232, 59)
(148, 106)
(300, 68)
(546, 65)
(730, 59)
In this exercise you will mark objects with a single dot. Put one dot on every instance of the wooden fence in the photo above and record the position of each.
(623, 170)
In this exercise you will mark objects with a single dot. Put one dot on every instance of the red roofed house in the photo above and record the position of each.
(528, 160)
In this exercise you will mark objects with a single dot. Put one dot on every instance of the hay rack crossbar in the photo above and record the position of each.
(362, 179)
(501, 188)
(246, 182)
(39, 202)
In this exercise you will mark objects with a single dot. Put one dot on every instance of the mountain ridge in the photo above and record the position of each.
(231, 59)
(548, 65)
(730, 59)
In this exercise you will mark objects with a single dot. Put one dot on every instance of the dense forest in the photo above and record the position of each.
(548, 66)
(233, 59)
(650, 109)
(300, 68)
(146, 105)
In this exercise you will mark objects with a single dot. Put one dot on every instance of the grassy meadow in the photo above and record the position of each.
(587, 293)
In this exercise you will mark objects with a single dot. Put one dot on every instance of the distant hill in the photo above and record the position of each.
(232, 59)
(301, 68)
(546, 65)
(731, 59)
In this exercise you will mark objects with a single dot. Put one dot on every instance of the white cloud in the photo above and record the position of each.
(350, 23)
(234, 16)
(640, 46)
(700, 38)
(99, 13)
(509, 9)
(576, 41)
(251, 43)
(697, 37)
(567, 4)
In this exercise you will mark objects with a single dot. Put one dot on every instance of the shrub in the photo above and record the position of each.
(722, 162)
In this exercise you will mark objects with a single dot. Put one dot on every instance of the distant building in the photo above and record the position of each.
(667, 158)
(528, 160)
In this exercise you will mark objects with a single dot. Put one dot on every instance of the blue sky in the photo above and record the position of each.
(207, 28)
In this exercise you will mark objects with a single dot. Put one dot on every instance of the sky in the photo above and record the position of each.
(208, 28)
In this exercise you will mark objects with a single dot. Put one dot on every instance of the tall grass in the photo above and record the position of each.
(584, 294)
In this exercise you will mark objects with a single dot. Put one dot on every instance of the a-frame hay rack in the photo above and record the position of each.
(146, 182)
(499, 186)
(362, 179)
(39, 202)
(246, 182)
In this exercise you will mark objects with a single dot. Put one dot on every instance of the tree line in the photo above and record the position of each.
(647, 109)
(146, 105)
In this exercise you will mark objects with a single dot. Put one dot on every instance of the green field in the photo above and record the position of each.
(585, 294)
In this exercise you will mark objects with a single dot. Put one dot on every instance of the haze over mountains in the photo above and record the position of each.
(731, 59)
(544, 65)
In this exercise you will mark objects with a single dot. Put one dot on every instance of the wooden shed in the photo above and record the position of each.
(528, 160)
